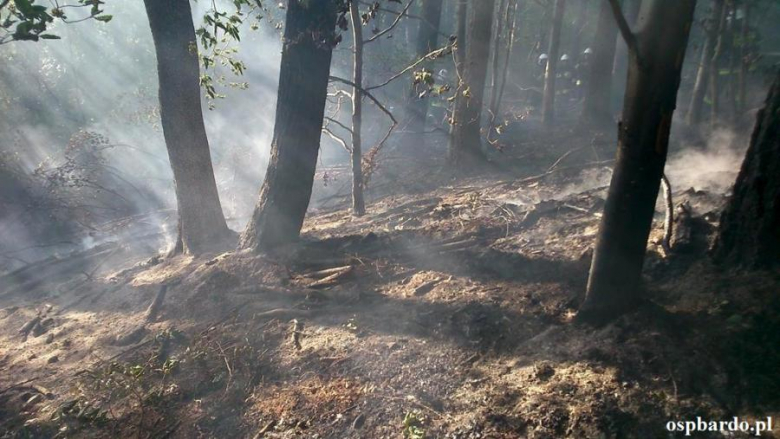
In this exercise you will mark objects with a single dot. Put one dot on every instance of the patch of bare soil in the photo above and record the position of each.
(444, 313)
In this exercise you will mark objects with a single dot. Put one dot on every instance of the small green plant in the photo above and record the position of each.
(413, 425)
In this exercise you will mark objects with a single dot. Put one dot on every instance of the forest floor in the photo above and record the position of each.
(445, 312)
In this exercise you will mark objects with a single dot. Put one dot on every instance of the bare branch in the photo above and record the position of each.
(368, 95)
(432, 55)
(392, 25)
(332, 120)
(338, 139)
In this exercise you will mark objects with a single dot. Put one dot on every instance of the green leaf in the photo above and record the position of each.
(104, 18)
(24, 6)
(49, 37)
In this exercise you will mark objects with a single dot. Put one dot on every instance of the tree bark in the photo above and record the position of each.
(303, 85)
(466, 141)
(358, 201)
(427, 41)
(597, 108)
(548, 98)
(693, 117)
(657, 51)
(201, 223)
(749, 235)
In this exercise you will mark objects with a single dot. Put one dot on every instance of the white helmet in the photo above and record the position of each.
(588, 51)
(543, 58)
(565, 57)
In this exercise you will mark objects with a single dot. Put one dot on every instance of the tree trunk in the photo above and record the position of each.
(358, 202)
(502, 17)
(498, 80)
(693, 117)
(743, 56)
(201, 223)
(460, 50)
(620, 66)
(512, 26)
(643, 139)
(732, 86)
(466, 141)
(715, 66)
(749, 234)
(427, 41)
(580, 13)
(548, 98)
(300, 107)
(597, 108)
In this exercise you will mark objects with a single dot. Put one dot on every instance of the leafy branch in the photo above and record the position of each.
(27, 20)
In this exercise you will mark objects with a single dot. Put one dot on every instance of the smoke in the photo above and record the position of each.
(713, 168)
(101, 78)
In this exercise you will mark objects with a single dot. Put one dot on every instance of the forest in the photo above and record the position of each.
(417, 219)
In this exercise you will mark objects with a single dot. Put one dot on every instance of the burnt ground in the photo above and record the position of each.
(445, 312)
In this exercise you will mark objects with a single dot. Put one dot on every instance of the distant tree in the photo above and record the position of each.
(703, 76)
(597, 107)
(715, 63)
(509, 19)
(309, 38)
(749, 233)
(744, 58)
(466, 140)
(201, 225)
(657, 50)
(427, 41)
(550, 73)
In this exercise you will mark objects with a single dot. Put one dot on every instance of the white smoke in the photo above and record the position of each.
(712, 169)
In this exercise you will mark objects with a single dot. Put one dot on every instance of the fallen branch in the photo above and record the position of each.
(328, 272)
(666, 242)
(333, 278)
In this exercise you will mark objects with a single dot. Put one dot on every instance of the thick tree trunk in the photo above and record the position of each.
(548, 98)
(749, 234)
(201, 224)
(643, 138)
(300, 107)
(597, 108)
(693, 117)
(466, 141)
(427, 41)
(358, 202)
